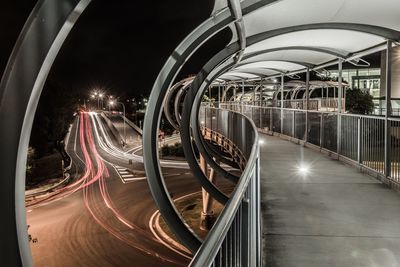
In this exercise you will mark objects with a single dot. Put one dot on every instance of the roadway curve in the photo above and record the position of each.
(98, 220)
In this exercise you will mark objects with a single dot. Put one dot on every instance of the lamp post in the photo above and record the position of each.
(96, 96)
(101, 97)
(110, 99)
(112, 103)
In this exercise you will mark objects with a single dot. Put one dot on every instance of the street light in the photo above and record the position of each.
(112, 103)
(100, 97)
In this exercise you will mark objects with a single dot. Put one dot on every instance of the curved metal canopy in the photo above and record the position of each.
(314, 33)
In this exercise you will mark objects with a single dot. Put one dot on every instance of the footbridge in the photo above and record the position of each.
(312, 187)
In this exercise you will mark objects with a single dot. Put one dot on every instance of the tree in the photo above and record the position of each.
(359, 102)
(52, 118)
(30, 162)
(207, 99)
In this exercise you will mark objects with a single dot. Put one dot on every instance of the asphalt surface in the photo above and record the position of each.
(133, 139)
(100, 220)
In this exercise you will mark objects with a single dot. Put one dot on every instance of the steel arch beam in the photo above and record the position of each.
(188, 127)
(329, 51)
(234, 86)
(178, 99)
(151, 125)
(20, 89)
(171, 92)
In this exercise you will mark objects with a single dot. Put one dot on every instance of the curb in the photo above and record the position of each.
(164, 236)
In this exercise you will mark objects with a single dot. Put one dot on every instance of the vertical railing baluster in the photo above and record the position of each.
(293, 120)
(245, 257)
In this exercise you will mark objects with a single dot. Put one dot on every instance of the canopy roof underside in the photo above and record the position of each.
(289, 36)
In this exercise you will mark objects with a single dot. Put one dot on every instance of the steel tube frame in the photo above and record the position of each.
(307, 103)
(167, 100)
(339, 111)
(201, 82)
(282, 87)
(388, 91)
(39, 72)
(153, 114)
(190, 123)
(60, 17)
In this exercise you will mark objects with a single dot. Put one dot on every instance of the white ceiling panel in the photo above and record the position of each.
(288, 13)
(341, 40)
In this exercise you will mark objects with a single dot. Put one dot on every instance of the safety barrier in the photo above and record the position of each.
(235, 239)
(360, 139)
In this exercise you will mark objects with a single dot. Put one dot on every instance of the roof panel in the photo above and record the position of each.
(288, 13)
(233, 75)
(310, 57)
(272, 64)
(339, 40)
(259, 71)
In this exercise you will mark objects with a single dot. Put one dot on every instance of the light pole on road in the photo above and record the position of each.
(112, 103)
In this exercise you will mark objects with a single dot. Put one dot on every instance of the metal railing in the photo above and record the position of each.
(235, 239)
(382, 111)
(360, 138)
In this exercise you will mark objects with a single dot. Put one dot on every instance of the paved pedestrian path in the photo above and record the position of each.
(321, 212)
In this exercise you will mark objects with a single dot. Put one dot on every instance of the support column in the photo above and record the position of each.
(254, 94)
(340, 86)
(242, 90)
(241, 98)
(282, 86)
(207, 214)
(388, 105)
(261, 102)
(219, 94)
(339, 110)
(307, 102)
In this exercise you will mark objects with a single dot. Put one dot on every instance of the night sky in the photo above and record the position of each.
(117, 45)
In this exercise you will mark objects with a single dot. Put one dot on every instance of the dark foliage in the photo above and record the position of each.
(52, 119)
(359, 102)
(173, 150)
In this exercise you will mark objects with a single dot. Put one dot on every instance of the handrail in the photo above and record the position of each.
(368, 142)
(239, 154)
(304, 110)
(211, 246)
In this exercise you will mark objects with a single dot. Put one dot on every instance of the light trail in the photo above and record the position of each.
(100, 175)
(96, 172)
(107, 145)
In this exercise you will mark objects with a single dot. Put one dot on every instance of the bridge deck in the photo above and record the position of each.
(333, 216)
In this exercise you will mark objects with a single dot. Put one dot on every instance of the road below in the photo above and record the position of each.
(98, 219)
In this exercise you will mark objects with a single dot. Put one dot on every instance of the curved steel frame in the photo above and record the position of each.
(60, 16)
(171, 92)
(150, 152)
(250, 40)
(226, 89)
(32, 60)
(208, 251)
(178, 99)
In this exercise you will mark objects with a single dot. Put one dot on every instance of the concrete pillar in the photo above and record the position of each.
(207, 214)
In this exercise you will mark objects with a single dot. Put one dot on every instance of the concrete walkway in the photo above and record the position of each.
(331, 216)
